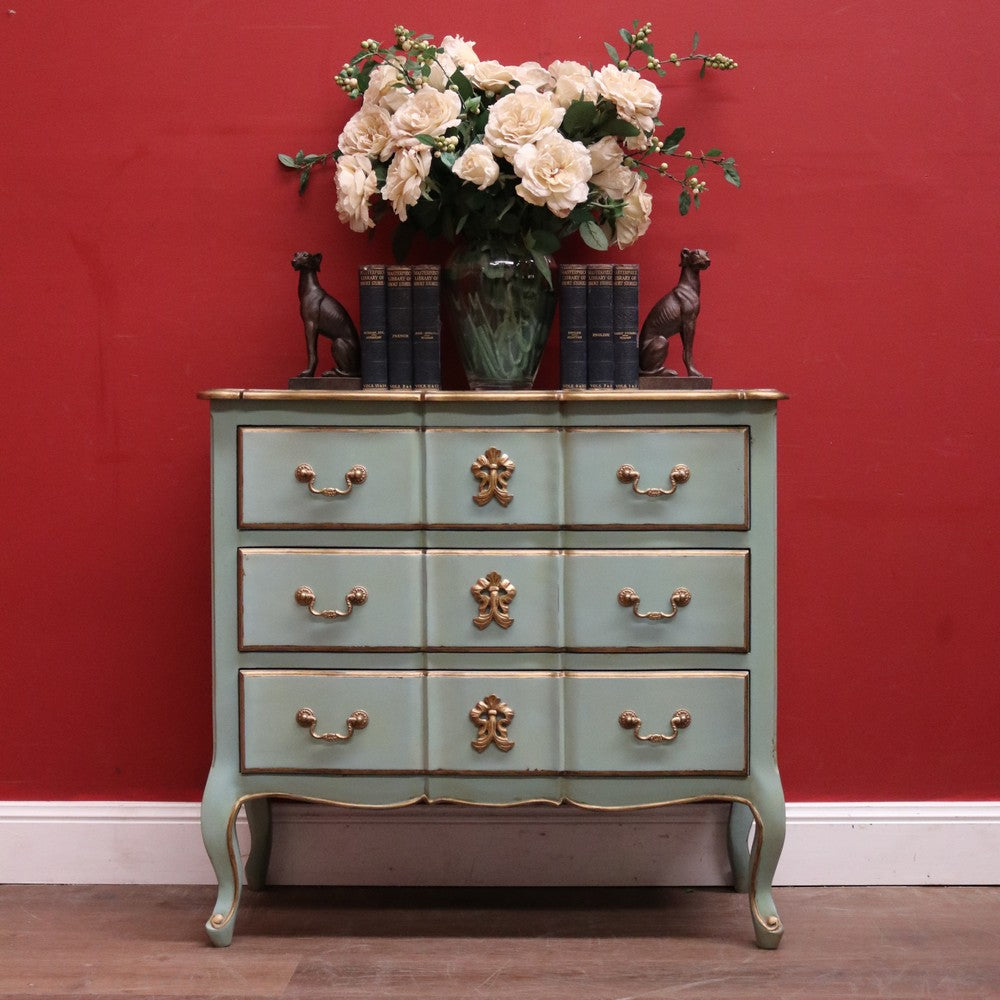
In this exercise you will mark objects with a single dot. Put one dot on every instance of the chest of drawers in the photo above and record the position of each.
(494, 598)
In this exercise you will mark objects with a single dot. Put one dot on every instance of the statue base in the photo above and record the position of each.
(342, 382)
(675, 382)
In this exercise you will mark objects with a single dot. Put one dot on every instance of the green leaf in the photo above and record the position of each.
(304, 179)
(613, 52)
(714, 152)
(617, 127)
(465, 88)
(626, 37)
(579, 119)
(593, 235)
(543, 266)
(300, 157)
(684, 203)
(694, 44)
(427, 140)
(731, 175)
(673, 140)
(287, 161)
(692, 170)
(542, 240)
(704, 66)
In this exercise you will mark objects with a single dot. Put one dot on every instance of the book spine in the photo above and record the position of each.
(625, 321)
(600, 309)
(399, 324)
(573, 326)
(426, 326)
(374, 347)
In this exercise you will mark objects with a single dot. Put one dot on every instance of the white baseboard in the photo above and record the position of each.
(835, 843)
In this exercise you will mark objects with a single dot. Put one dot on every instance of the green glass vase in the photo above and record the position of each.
(499, 308)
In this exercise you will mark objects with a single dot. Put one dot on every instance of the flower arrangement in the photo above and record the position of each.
(459, 146)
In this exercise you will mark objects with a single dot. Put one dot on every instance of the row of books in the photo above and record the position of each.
(400, 329)
(599, 326)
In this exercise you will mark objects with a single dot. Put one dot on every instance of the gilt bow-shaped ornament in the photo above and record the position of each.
(493, 470)
(493, 594)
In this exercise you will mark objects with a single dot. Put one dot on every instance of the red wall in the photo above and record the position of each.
(144, 254)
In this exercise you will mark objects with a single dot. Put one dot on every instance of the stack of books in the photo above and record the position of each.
(400, 330)
(599, 326)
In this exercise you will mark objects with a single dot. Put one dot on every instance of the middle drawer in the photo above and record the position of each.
(495, 599)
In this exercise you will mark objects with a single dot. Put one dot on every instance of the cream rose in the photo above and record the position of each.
(491, 76)
(636, 218)
(356, 184)
(459, 51)
(534, 75)
(636, 100)
(366, 132)
(386, 88)
(605, 153)
(426, 112)
(477, 166)
(404, 180)
(573, 82)
(520, 119)
(554, 173)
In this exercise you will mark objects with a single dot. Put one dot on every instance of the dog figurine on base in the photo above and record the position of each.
(323, 314)
(676, 312)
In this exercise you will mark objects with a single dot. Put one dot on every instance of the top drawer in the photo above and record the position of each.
(326, 477)
(687, 478)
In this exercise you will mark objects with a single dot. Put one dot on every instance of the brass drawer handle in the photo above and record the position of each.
(681, 719)
(680, 598)
(305, 597)
(679, 474)
(492, 471)
(493, 594)
(354, 476)
(306, 718)
(492, 717)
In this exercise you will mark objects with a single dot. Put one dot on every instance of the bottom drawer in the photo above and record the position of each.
(657, 723)
(331, 722)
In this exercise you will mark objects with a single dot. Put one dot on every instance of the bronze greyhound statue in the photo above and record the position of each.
(323, 314)
(676, 312)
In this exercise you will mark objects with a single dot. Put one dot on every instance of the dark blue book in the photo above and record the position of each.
(399, 324)
(625, 325)
(426, 326)
(372, 328)
(600, 309)
(573, 326)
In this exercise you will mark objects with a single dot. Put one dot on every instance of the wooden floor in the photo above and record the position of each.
(516, 944)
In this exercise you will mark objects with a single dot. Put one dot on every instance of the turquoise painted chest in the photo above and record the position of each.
(494, 598)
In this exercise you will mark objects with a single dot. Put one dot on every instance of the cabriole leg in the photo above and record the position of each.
(218, 831)
(769, 837)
